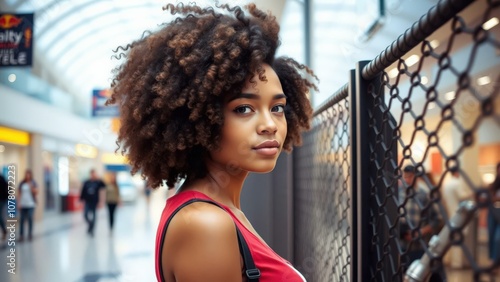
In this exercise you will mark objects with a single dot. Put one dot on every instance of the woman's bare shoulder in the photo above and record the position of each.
(202, 235)
(201, 216)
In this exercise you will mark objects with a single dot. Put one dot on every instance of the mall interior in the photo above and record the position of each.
(53, 122)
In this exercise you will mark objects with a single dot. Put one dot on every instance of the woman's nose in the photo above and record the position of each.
(267, 125)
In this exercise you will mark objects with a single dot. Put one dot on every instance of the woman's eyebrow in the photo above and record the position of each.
(256, 97)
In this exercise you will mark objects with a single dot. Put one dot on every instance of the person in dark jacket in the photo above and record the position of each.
(90, 195)
(4, 195)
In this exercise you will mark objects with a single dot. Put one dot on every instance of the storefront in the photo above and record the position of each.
(66, 166)
(14, 150)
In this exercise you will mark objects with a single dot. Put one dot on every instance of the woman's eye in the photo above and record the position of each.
(243, 110)
(278, 109)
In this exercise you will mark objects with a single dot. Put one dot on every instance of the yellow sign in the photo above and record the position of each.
(111, 158)
(14, 136)
(115, 125)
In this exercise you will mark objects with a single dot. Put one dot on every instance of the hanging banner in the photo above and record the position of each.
(16, 40)
(99, 109)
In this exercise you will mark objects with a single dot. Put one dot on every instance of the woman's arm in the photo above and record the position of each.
(34, 188)
(201, 244)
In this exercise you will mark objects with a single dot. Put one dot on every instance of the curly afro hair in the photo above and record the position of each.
(174, 83)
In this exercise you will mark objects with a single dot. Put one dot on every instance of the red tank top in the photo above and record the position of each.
(272, 266)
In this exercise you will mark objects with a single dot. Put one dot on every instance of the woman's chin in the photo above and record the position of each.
(263, 168)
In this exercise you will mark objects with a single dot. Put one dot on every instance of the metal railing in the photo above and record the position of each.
(373, 178)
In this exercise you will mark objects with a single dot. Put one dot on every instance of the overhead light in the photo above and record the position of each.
(483, 80)
(12, 77)
(490, 23)
(86, 151)
(424, 80)
(488, 178)
(434, 43)
(431, 105)
(450, 95)
(413, 59)
(393, 73)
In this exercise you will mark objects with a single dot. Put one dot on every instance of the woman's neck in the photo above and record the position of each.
(221, 184)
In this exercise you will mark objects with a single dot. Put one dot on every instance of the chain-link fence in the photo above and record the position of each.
(393, 181)
(323, 213)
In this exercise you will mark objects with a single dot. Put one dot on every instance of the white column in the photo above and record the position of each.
(35, 163)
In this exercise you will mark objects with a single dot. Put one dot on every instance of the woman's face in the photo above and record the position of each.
(254, 126)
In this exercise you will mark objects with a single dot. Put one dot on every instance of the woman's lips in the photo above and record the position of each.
(267, 148)
(267, 151)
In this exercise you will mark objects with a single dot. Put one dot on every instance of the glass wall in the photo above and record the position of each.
(292, 32)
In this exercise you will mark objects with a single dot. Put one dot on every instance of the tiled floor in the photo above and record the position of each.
(481, 258)
(466, 274)
(61, 250)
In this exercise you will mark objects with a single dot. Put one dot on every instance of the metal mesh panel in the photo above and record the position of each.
(419, 162)
(428, 117)
(322, 197)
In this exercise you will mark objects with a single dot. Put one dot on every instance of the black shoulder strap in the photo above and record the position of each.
(252, 272)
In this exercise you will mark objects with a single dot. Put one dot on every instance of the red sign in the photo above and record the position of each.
(16, 39)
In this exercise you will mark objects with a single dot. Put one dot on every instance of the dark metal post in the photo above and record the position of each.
(373, 260)
(354, 175)
(362, 182)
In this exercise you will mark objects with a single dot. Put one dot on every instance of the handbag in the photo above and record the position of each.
(251, 271)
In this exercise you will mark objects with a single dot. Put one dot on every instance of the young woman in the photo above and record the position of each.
(204, 99)
(27, 202)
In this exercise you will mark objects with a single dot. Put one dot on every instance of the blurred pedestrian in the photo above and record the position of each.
(494, 219)
(90, 195)
(28, 191)
(112, 199)
(147, 193)
(453, 194)
(427, 221)
(4, 195)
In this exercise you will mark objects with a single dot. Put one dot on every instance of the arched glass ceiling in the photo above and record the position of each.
(74, 39)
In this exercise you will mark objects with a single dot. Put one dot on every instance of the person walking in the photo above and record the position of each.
(494, 219)
(112, 199)
(27, 202)
(90, 195)
(453, 194)
(4, 195)
(427, 220)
